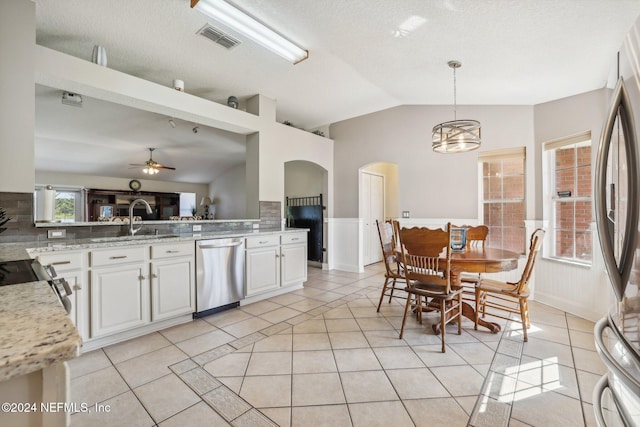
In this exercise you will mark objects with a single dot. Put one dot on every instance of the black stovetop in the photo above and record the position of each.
(21, 271)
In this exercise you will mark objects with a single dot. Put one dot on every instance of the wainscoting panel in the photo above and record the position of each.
(345, 251)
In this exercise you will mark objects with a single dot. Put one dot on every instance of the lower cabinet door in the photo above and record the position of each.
(119, 299)
(263, 270)
(172, 288)
(294, 264)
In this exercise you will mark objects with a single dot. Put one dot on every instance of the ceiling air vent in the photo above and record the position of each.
(219, 37)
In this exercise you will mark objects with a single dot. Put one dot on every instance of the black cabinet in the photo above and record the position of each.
(107, 203)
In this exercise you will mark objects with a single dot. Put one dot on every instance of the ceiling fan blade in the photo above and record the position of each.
(165, 167)
(137, 165)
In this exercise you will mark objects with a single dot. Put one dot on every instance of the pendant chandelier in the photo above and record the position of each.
(456, 136)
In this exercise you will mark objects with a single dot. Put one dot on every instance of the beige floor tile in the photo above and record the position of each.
(271, 363)
(88, 362)
(432, 355)
(135, 347)
(232, 383)
(398, 357)
(579, 324)
(306, 305)
(444, 412)
(198, 415)
(379, 414)
(549, 333)
(559, 410)
(279, 315)
(466, 403)
(550, 375)
(124, 410)
(341, 340)
(316, 389)
(342, 325)
(582, 340)
(491, 413)
(253, 418)
(416, 383)
(286, 299)
(278, 395)
(313, 362)
(308, 292)
(187, 330)
(589, 415)
(341, 312)
(459, 380)
(473, 353)
(199, 380)
(343, 280)
(586, 383)
(303, 317)
(230, 365)
(97, 386)
(149, 366)
(389, 338)
(356, 359)
(201, 343)
(365, 312)
(321, 416)
(280, 416)
(260, 307)
(226, 403)
(274, 343)
(246, 327)
(185, 365)
(310, 326)
(542, 349)
(553, 319)
(227, 317)
(587, 360)
(367, 386)
(165, 397)
(302, 342)
(421, 336)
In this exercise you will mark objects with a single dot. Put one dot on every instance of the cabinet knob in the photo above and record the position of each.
(154, 275)
(282, 255)
(77, 287)
(141, 277)
(277, 256)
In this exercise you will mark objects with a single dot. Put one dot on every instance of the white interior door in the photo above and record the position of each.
(372, 209)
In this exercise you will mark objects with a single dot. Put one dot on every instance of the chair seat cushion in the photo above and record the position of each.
(499, 287)
(432, 291)
(469, 278)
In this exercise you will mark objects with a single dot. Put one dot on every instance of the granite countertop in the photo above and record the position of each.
(36, 331)
(23, 250)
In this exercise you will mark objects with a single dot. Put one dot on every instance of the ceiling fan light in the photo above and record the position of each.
(235, 19)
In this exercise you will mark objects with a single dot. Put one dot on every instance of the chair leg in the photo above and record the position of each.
(384, 289)
(404, 319)
(477, 314)
(526, 305)
(442, 321)
(419, 307)
(460, 314)
(393, 288)
(523, 316)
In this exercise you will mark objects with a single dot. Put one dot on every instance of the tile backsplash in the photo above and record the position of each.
(21, 228)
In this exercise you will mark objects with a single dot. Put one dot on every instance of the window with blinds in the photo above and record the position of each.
(502, 197)
(568, 199)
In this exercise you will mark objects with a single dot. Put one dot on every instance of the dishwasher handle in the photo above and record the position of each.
(226, 245)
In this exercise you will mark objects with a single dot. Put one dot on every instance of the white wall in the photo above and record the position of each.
(429, 184)
(229, 194)
(17, 103)
(584, 291)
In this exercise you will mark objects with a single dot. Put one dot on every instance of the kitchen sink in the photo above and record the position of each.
(140, 237)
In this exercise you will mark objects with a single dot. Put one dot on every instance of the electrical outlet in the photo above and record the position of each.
(405, 214)
(56, 234)
(197, 227)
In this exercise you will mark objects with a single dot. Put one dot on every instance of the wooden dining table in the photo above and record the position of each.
(479, 260)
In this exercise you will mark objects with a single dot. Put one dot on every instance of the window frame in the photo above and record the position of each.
(550, 197)
(519, 153)
(79, 205)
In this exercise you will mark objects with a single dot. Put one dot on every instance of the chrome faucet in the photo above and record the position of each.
(132, 230)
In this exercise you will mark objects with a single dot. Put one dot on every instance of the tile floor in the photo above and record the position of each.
(323, 356)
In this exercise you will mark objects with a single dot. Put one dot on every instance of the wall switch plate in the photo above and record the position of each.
(56, 234)
(405, 214)
(197, 227)
(256, 226)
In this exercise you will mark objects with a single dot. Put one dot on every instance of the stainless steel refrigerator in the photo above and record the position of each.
(616, 397)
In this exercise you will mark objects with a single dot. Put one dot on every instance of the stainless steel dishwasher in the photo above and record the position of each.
(219, 275)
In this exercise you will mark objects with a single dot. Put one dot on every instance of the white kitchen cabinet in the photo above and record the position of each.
(72, 267)
(172, 280)
(119, 290)
(275, 261)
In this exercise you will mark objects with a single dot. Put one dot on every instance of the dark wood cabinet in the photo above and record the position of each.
(116, 203)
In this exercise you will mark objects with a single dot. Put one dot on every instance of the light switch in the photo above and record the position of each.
(197, 227)
(405, 214)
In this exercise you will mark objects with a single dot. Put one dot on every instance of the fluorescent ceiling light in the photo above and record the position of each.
(224, 13)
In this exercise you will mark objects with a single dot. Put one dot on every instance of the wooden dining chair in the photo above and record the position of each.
(393, 273)
(476, 238)
(509, 297)
(428, 275)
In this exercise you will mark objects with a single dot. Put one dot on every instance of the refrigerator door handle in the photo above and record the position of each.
(609, 360)
(598, 397)
(618, 273)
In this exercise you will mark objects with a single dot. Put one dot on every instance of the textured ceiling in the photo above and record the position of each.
(365, 55)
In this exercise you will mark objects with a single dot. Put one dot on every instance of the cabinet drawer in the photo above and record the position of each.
(118, 256)
(170, 250)
(260, 241)
(62, 261)
(288, 238)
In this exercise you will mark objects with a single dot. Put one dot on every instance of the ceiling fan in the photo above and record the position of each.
(152, 167)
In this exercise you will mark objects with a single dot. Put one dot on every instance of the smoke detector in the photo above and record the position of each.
(72, 99)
